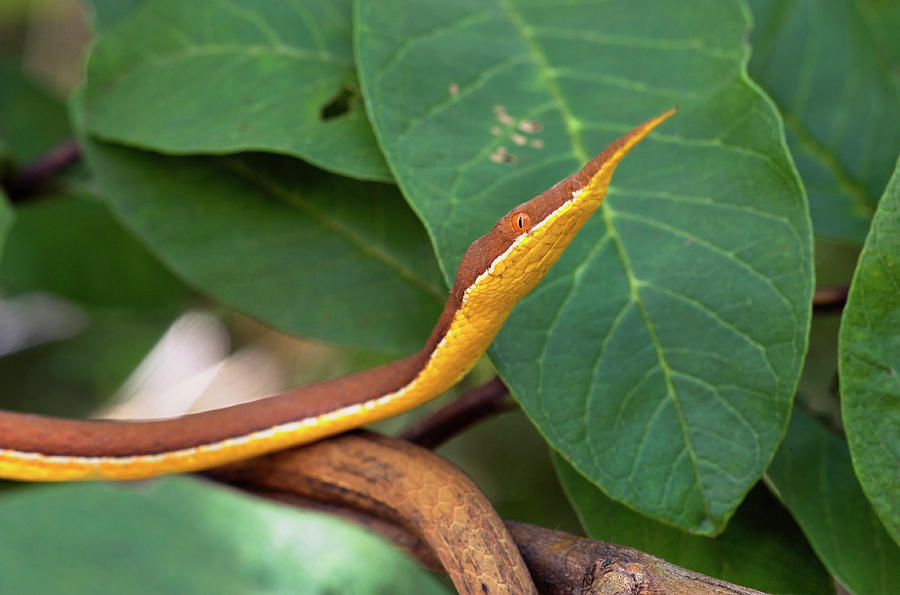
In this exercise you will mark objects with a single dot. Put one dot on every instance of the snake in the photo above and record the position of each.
(497, 270)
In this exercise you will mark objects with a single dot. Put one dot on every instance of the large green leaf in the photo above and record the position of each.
(179, 535)
(762, 547)
(72, 246)
(660, 354)
(221, 77)
(32, 120)
(308, 252)
(883, 19)
(838, 92)
(813, 475)
(870, 361)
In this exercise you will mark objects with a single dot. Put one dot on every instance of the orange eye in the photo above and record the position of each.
(520, 220)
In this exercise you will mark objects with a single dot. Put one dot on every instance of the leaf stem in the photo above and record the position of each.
(31, 179)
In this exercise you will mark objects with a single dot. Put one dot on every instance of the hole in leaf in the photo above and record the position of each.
(341, 103)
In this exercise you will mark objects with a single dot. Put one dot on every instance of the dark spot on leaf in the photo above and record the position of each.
(341, 103)
(889, 372)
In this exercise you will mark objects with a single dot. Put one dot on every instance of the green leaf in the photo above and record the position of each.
(762, 547)
(672, 331)
(32, 120)
(307, 252)
(73, 247)
(839, 94)
(813, 475)
(223, 77)
(180, 535)
(870, 361)
(883, 19)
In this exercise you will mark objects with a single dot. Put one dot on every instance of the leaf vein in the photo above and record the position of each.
(701, 307)
(712, 248)
(687, 44)
(627, 84)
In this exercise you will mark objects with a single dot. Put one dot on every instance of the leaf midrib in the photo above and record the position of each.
(572, 126)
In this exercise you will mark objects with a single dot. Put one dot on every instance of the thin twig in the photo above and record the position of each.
(830, 299)
(31, 178)
(475, 405)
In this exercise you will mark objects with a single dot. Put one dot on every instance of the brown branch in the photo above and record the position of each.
(414, 497)
(830, 299)
(565, 564)
(473, 406)
(30, 179)
(408, 486)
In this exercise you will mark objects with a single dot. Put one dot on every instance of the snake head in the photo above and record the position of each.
(528, 240)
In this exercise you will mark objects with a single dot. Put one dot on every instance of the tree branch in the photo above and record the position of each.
(407, 486)
(414, 497)
(565, 564)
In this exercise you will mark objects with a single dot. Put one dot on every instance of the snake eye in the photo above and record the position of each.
(520, 221)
